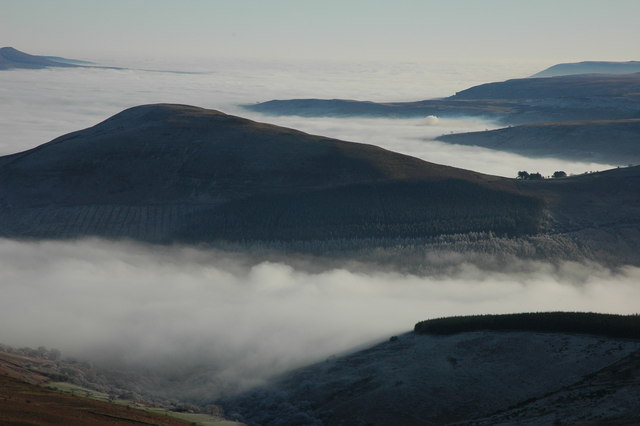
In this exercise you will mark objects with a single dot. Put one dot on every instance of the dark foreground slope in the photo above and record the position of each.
(518, 101)
(590, 67)
(610, 142)
(167, 173)
(470, 377)
(11, 58)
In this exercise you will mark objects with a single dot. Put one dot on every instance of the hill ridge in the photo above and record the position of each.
(202, 175)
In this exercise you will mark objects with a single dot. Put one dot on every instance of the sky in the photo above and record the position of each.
(552, 30)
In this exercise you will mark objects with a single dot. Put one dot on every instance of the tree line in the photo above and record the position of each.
(608, 325)
(524, 175)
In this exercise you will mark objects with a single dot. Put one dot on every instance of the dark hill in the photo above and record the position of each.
(607, 141)
(177, 173)
(519, 101)
(12, 58)
(590, 67)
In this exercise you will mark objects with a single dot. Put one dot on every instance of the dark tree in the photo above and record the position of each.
(559, 174)
(522, 174)
(536, 176)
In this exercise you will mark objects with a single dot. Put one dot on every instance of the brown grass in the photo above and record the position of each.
(23, 403)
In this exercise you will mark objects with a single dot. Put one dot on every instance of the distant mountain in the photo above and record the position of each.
(610, 142)
(11, 58)
(592, 86)
(352, 108)
(590, 67)
(167, 173)
(518, 101)
(474, 377)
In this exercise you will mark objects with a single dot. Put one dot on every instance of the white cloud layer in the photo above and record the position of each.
(248, 319)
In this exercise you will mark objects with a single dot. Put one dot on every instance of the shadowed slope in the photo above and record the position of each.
(611, 142)
(417, 379)
(178, 173)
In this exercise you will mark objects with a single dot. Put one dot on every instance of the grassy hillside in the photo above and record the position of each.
(22, 403)
(37, 387)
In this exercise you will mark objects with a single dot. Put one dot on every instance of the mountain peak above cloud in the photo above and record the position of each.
(12, 58)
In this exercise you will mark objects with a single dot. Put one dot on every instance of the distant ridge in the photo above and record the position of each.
(516, 101)
(602, 141)
(578, 87)
(590, 67)
(11, 58)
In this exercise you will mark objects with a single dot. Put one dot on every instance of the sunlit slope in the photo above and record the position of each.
(168, 173)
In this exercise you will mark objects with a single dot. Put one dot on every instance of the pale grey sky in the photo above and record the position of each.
(554, 30)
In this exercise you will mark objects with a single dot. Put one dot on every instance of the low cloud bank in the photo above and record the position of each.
(415, 137)
(169, 309)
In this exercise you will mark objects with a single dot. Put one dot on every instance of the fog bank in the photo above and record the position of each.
(245, 319)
